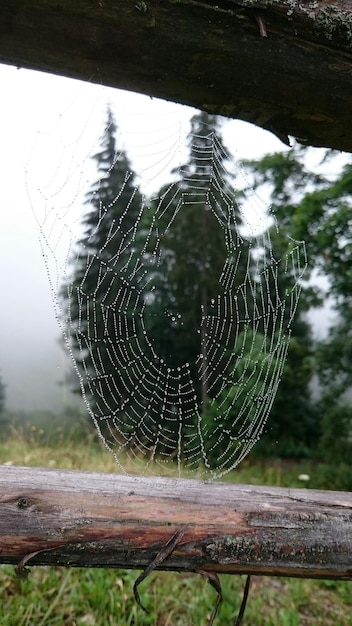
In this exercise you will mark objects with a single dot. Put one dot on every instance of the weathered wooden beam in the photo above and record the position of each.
(285, 65)
(88, 519)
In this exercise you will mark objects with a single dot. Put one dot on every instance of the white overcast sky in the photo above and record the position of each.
(49, 126)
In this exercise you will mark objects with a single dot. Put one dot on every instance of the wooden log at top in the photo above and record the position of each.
(88, 519)
(285, 65)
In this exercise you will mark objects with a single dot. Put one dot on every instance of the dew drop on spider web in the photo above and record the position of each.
(170, 303)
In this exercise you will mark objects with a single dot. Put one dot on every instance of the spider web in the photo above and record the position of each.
(147, 410)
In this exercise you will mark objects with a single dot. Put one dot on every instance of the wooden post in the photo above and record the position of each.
(72, 518)
(285, 65)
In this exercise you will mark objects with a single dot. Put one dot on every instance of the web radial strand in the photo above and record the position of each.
(135, 294)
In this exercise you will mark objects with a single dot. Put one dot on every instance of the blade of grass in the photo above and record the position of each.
(52, 606)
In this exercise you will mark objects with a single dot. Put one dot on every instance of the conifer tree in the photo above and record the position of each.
(101, 267)
(202, 242)
(200, 225)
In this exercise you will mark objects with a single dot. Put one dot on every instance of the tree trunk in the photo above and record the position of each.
(71, 518)
(285, 65)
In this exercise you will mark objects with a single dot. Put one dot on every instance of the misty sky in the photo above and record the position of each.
(49, 127)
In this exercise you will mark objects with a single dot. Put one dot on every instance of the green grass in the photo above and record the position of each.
(78, 597)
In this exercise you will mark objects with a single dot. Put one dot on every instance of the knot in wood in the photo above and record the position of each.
(22, 503)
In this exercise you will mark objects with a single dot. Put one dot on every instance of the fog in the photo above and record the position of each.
(33, 364)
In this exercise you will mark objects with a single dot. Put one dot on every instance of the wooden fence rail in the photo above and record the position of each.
(285, 65)
(73, 518)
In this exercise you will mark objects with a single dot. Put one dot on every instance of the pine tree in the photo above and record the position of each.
(199, 227)
(173, 289)
(103, 264)
(203, 306)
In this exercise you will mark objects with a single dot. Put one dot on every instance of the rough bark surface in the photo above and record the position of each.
(88, 519)
(285, 65)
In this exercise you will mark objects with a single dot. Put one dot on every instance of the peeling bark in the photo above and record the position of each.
(284, 65)
(71, 518)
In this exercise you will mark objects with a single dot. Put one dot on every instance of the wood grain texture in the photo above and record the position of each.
(88, 519)
(285, 65)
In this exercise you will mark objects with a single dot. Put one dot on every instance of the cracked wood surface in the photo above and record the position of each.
(73, 518)
(285, 65)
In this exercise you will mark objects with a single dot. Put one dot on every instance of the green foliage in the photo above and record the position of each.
(93, 597)
(199, 235)
(288, 180)
(294, 421)
(173, 273)
(334, 356)
(323, 218)
(324, 215)
(2, 395)
(196, 232)
(102, 597)
(101, 266)
(4, 416)
(336, 438)
(170, 257)
(335, 476)
(317, 208)
(238, 404)
(41, 428)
